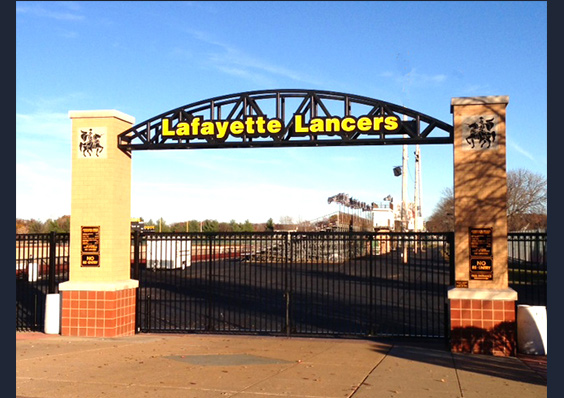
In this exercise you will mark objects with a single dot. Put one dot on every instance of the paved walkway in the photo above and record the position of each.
(210, 366)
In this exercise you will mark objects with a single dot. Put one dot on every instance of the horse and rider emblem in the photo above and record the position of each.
(91, 143)
(481, 133)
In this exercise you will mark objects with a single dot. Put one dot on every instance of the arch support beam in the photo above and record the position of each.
(285, 118)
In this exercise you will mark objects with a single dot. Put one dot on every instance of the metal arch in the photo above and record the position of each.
(418, 128)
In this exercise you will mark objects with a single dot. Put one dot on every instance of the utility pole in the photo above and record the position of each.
(417, 194)
(404, 219)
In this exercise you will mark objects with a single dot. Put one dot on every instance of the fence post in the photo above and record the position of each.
(287, 296)
(136, 250)
(211, 324)
(52, 261)
(450, 241)
(371, 331)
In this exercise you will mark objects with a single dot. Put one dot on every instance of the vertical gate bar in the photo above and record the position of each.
(450, 238)
(256, 283)
(243, 272)
(135, 273)
(317, 297)
(446, 277)
(383, 245)
(399, 260)
(286, 276)
(371, 284)
(406, 275)
(442, 269)
(173, 250)
(164, 277)
(348, 269)
(167, 276)
(431, 268)
(415, 327)
(185, 267)
(211, 304)
(136, 254)
(413, 286)
(438, 278)
(255, 319)
(163, 291)
(411, 317)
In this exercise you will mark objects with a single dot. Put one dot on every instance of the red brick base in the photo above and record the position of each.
(98, 313)
(483, 326)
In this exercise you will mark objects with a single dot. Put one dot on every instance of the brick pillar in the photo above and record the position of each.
(98, 300)
(482, 306)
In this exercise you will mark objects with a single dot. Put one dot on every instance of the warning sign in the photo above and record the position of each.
(90, 252)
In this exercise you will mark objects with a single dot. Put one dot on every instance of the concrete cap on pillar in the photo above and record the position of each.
(102, 113)
(492, 99)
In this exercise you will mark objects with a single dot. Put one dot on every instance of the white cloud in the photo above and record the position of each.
(230, 59)
(415, 78)
(67, 11)
(43, 126)
(520, 150)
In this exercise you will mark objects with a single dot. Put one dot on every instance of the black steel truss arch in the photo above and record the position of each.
(283, 105)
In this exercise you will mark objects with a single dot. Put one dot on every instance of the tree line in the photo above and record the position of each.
(206, 226)
(62, 225)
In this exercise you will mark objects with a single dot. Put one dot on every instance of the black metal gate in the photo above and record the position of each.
(42, 262)
(330, 283)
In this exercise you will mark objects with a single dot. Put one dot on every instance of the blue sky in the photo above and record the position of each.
(145, 58)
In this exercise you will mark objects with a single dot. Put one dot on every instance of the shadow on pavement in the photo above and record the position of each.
(437, 353)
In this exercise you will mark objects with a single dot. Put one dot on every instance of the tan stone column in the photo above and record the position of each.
(99, 298)
(482, 305)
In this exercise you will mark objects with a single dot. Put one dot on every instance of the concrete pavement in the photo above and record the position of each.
(210, 366)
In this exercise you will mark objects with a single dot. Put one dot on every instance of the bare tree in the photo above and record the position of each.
(526, 200)
(526, 204)
(526, 193)
(442, 219)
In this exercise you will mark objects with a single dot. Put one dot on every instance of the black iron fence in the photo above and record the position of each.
(42, 262)
(282, 283)
(527, 266)
(293, 283)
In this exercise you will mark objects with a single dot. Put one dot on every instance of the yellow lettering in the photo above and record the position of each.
(377, 121)
(274, 126)
(260, 125)
(298, 124)
(221, 129)
(195, 126)
(316, 125)
(332, 124)
(183, 129)
(348, 124)
(364, 124)
(391, 123)
(249, 122)
(166, 132)
(236, 127)
(207, 128)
